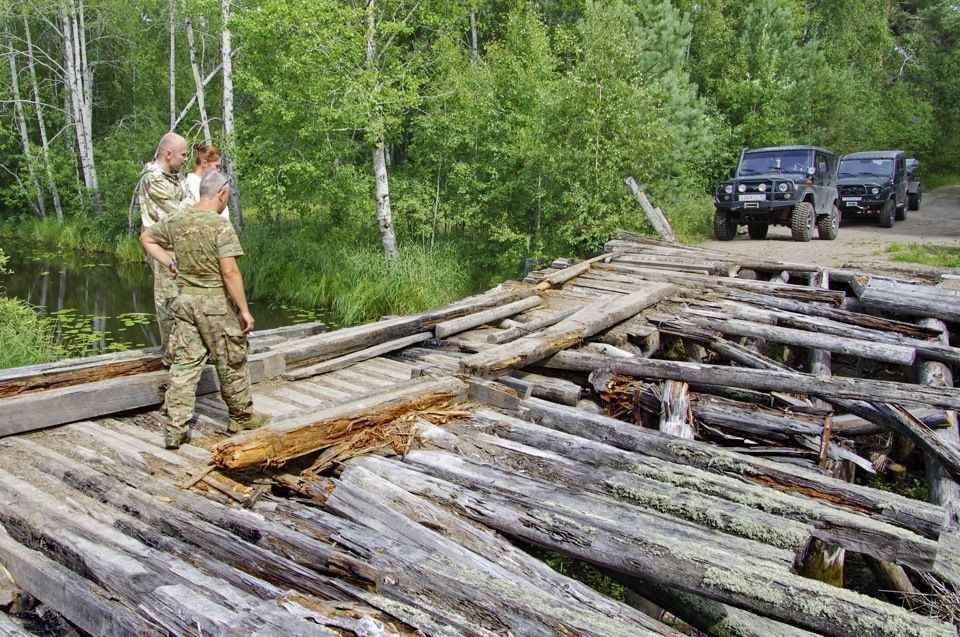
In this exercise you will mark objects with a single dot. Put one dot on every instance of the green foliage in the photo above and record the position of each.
(25, 337)
(909, 485)
(940, 256)
(691, 218)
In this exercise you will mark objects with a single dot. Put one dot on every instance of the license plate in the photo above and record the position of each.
(853, 199)
(752, 198)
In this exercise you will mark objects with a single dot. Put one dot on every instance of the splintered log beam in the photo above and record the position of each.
(533, 325)
(765, 380)
(590, 320)
(84, 603)
(457, 325)
(720, 567)
(675, 410)
(276, 443)
(922, 518)
(654, 215)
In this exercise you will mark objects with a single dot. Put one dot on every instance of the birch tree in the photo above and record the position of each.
(229, 138)
(22, 127)
(197, 77)
(173, 64)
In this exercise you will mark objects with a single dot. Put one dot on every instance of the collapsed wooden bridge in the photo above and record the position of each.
(409, 458)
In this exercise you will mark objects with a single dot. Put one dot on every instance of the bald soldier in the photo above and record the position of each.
(163, 191)
(211, 317)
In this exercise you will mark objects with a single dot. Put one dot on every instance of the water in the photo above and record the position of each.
(103, 305)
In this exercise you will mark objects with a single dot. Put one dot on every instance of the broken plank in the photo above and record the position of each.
(463, 323)
(356, 357)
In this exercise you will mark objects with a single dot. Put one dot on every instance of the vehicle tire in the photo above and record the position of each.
(828, 226)
(757, 230)
(724, 228)
(913, 201)
(887, 214)
(901, 213)
(802, 221)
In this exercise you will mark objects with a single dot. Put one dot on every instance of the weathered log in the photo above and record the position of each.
(912, 300)
(675, 410)
(541, 609)
(551, 518)
(454, 326)
(83, 602)
(767, 380)
(278, 442)
(918, 517)
(10, 628)
(533, 325)
(654, 215)
(361, 355)
(585, 323)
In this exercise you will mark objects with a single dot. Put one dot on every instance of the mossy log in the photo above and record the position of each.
(745, 574)
(276, 443)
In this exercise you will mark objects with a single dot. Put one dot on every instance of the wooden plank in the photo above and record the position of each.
(654, 215)
(350, 359)
(454, 326)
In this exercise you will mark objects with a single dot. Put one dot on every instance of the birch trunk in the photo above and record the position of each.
(44, 141)
(22, 127)
(173, 64)
(78, 80)
(229, 140)
(384, 217)
(197, 78)
(473, 36)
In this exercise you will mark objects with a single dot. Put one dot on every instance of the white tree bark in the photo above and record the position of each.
(197, 78)
(78, 79)
(384, 216)
(44, 141)
(22, 127)
(229, 139)
(473, 36)
(173, 64)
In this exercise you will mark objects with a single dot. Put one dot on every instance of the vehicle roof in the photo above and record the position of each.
(875, 154)
(776, 148)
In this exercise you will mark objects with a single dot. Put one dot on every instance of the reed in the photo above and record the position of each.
(25, 337)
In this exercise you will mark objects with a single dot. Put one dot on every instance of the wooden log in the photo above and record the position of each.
(925, 302)
(83, 602)
(557, 279)
(454, 326)
(531, 326)
(719, 569)
(365, 497)
(921, 518)
(589, 321)
(169, 590)
(356, 357)
(10, 628)
(278, 442)
(656, 218)
(767, 380)
(675, 410)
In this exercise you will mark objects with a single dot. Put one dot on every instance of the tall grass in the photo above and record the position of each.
(25, 337)
(327, 268)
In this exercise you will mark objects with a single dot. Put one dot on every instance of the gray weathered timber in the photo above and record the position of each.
(454, 326)
(675, 410)
(922, 518)
(533, 325)
(356, 357)
(10, 628)
(767, 380)
(906, 301)
(520, 602)
(589, 321)
(654, 215)
(551, 518)
(84, 603)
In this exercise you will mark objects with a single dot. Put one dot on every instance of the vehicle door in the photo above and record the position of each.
(824, 183)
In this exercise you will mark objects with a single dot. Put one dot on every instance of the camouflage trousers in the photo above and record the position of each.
(206, 324)
(164, 291)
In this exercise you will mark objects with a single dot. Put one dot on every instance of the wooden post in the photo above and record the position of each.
(659, 222)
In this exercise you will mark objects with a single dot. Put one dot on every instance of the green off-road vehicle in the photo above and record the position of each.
(874, 183)
(793, 186)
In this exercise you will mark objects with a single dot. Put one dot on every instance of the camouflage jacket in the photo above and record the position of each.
(161, 194)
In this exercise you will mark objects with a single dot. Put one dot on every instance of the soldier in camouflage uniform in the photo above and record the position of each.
(163, 191)
(206, 322)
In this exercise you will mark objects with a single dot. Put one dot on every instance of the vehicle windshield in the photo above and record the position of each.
(787, 161)
(866, 168)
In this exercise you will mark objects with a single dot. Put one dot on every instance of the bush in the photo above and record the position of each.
(25, 337)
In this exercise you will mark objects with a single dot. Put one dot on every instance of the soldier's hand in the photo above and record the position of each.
(246, 322)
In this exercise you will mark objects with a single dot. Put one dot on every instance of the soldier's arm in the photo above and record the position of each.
(233, 281)
(156, 251)
(164, 195)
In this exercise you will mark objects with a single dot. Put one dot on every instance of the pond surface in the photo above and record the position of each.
(101, 304)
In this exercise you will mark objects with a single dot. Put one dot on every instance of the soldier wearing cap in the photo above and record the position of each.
(211, 317)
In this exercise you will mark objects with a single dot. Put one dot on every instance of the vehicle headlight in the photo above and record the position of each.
(742, 188)
(728, 188)
(783, 187)
(762, 187)
(875, 191)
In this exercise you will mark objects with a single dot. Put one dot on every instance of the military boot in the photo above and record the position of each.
(247, 421)
(173, 438)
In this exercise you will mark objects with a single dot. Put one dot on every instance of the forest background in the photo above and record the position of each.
(393, 155)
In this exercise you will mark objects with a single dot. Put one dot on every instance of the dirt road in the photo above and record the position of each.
(937, 221)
